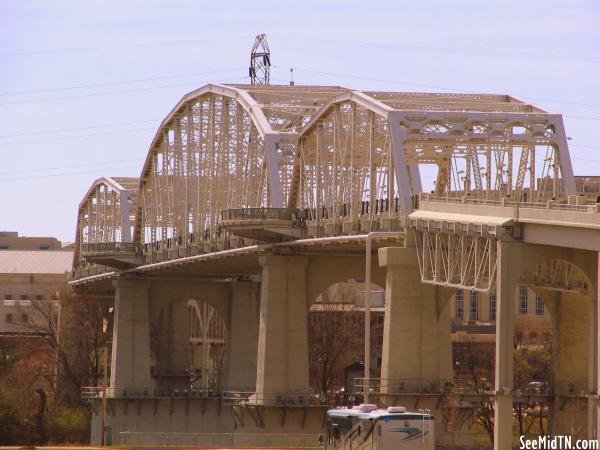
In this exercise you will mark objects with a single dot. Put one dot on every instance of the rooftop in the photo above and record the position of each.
(35, 261)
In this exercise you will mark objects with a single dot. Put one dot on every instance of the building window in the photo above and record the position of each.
(460, 304)
(24, 318)
(39, 297)
(8, 297)
(380, 319)
(24, 297)
(539, 306)
(474, 306)
(8, 318)
(44, 247)
(522, 300)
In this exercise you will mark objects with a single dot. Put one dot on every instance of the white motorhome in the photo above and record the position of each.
(365, 427)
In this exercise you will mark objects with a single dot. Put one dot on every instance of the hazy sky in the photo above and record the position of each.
(108, 71)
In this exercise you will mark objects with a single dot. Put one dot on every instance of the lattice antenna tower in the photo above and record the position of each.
(260, 61)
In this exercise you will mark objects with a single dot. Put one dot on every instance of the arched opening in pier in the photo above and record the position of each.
(336, 325)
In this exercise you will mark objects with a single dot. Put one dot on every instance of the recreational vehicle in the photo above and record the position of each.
(365, 427)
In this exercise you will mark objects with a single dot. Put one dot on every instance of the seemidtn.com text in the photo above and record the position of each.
(557, 442)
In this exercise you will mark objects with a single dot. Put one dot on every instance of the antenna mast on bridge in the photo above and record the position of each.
(260, 61)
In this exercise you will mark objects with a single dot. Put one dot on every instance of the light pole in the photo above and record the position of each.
(104, 384)
(367, 365)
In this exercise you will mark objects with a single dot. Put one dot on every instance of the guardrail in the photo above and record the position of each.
(260, 214)
(219, 440)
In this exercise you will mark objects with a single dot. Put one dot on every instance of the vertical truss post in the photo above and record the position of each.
(564, 158)
(273, 159)
(400, 162)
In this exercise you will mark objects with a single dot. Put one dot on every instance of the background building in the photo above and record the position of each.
(31, 270)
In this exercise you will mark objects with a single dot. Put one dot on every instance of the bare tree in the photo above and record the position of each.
(335, 336)
(71, 327)
(477, 363)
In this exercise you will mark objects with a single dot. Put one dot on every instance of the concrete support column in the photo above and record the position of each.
(282, 364)
(131, 335)
(416, 333)
(508, 272)
(242, 345)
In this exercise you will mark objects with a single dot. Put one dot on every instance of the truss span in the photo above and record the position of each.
(348, 162)
(106, 216)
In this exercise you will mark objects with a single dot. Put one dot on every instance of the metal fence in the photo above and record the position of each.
(219, 440)
(260, 214)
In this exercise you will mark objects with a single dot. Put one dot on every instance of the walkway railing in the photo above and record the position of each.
(112, 247)
(143, 393)
(219, 440)
(560, 205)
(410, 386)
(260, 214)
(229, 397)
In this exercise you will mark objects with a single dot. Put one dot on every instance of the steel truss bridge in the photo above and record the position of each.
(233, 166)
(235, 172)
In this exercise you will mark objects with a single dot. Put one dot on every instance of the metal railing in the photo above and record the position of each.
(226, 396)
(260, 214)
(401, 386)
(219, 440)
(110, 247)
(409, 386)
(143, 393)
(560, 205)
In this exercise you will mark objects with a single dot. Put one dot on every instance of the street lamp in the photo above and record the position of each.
(104, 384)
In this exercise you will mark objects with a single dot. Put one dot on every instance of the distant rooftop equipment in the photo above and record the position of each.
(260, 61)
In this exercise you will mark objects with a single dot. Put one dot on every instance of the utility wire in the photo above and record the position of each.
(114, 83)
(421, 48)
(100, 94)
(65, 173)
(135, 130)
(124, 47)
(44, 169)
(342, 75)
(61, 130)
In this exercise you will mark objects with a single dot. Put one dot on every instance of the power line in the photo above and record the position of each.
(462, 91)
(584, 146)
(99, 94)
(65, 173)
(123, 47)
(77, 137)
(480, 52)
(44, 169)
(61, 130)
(342, 75)
(114, 83)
